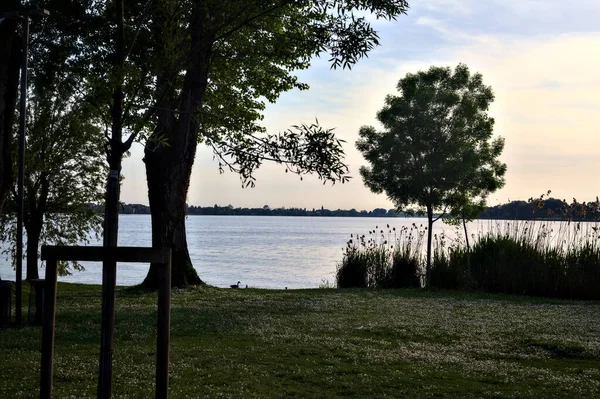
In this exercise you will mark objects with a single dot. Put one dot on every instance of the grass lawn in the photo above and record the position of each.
(319, 343)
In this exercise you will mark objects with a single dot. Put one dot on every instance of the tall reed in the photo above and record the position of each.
(550, 259)
(387, 258)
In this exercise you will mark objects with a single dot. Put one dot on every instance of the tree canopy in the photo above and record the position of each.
(435, 152)
(64, 172)
(238, 55)
(10, 61)
(177, 73)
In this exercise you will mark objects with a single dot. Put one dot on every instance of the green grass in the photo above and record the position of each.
(320, 343)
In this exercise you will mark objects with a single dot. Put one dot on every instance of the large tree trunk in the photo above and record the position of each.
(169, 167)
(168, 173)
(33, 241)
(10, 62)
(34, 220)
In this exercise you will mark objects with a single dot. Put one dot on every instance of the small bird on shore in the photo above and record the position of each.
(235, 285)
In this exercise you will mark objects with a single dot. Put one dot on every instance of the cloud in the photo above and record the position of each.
(436, 24)
(578, 105)
(548, 84)
(448, 7)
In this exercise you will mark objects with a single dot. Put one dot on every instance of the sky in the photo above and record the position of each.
(541, 58)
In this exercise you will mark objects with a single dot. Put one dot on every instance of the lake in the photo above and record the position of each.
(259, 251)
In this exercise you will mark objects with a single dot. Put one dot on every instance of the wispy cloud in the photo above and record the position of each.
(578, 105)
(548, 84)
(448, 7)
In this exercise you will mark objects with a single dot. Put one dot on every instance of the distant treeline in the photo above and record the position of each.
(550, 208)
(267, 211)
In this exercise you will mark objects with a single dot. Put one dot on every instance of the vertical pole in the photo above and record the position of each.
(111, 215)
(48, 329)
(21, 173)
(163, 330)
(107, 329)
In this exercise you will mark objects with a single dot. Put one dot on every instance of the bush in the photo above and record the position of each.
(352, 272)
(405, 271)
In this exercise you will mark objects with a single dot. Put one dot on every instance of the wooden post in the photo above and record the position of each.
(163, 330)
(109, 283)
(48, 329)
(52, 254)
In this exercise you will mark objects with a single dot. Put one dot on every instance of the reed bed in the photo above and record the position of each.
(548, 259)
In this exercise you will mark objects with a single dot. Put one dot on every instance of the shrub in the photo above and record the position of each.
(406, 271)
(352, 272)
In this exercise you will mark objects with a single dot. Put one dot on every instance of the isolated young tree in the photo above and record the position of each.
(64, 176)
(435, 152)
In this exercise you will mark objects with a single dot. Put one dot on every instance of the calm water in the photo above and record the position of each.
(260, 251)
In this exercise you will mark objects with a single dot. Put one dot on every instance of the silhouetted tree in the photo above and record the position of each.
(436, 151)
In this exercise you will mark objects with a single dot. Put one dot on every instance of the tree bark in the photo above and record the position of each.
(168, 173)
(35, 209)
(111, 214)
(10, 61)
(169, 167)
(33, 241)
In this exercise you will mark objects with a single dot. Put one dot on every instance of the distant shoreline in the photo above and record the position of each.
(386, 217)
(549, 209)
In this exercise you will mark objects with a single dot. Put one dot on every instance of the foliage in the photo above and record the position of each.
(266, 211)
(10, 62)
(436, 151)
(319, 343)
(545, 207)
(63, 167)
(254, 48)
(64, 172)
(201, 71)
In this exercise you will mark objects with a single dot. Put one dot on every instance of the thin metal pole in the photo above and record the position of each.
(21, 173)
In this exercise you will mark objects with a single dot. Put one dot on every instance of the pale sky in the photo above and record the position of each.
(541, 57)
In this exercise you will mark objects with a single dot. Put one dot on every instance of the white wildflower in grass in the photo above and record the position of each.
(320, 343)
